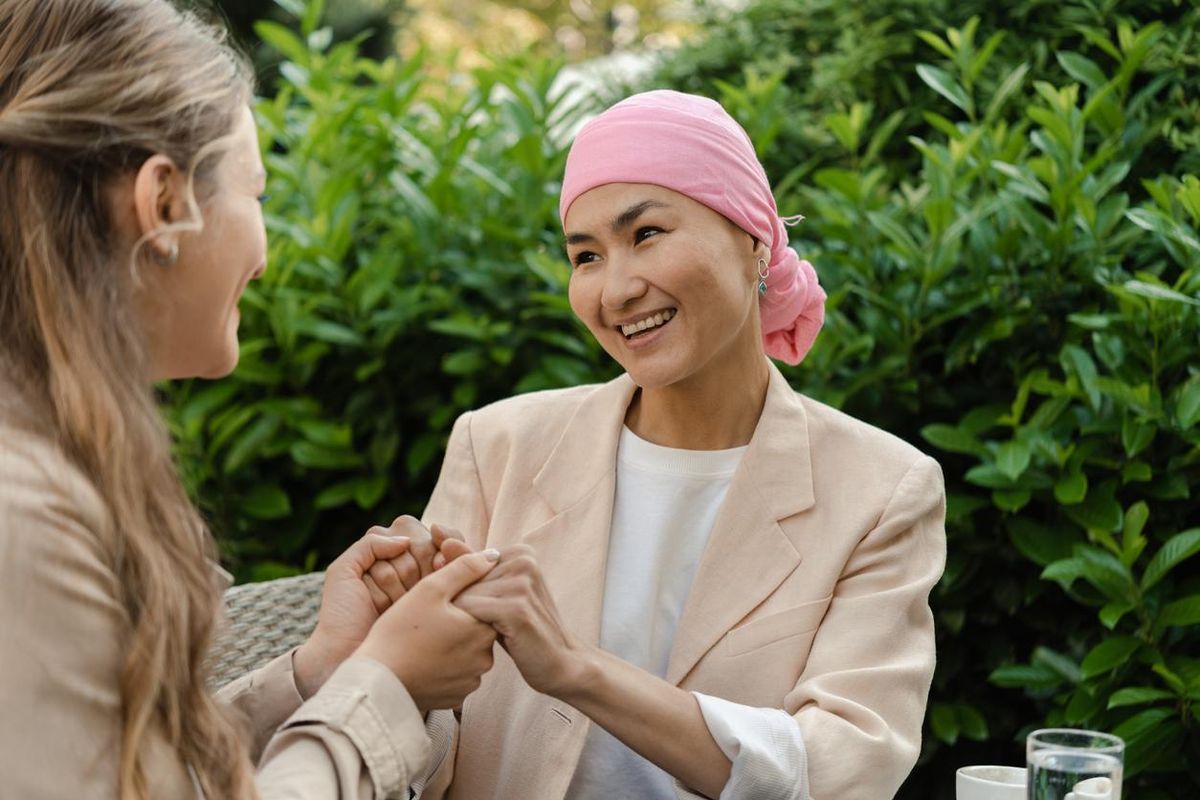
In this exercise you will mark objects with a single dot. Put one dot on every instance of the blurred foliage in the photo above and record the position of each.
(1002, 202)
(575, 29)
(1005, 212)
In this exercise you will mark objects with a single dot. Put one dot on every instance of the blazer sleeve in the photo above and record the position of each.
(860, 701)
(62, 633)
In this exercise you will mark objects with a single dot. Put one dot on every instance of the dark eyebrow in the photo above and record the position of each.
(620, 222)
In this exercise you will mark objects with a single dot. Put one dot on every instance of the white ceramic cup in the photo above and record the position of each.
(990, 783)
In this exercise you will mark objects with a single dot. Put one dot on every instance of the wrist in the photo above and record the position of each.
(313, 663)
(582, 674)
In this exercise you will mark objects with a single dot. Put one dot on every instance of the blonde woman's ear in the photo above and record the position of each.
(159, 197)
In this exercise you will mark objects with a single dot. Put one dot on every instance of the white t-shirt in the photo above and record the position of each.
(665, 506)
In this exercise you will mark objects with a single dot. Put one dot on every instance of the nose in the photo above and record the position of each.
(622, 284)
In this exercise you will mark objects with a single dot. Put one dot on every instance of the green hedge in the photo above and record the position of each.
(1006, 224)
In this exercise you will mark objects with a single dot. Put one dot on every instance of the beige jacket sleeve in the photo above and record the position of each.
(863, 691)
(62, 632)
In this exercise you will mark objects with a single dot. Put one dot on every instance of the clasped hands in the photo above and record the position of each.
(425, 605)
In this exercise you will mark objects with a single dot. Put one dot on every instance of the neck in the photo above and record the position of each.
(715, 409)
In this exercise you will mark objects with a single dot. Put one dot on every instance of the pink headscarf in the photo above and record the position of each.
(690, 145)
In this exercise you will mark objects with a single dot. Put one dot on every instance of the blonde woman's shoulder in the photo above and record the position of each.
(45, 499)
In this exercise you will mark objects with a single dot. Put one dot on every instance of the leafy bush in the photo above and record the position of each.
(415, 272)
(1015, 285)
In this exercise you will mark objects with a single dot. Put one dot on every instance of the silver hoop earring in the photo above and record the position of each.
(764, 272)
(168, 258)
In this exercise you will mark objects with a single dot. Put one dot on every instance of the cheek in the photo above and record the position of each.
(582, 295)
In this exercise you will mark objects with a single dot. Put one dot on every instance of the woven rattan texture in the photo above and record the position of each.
(264, 620)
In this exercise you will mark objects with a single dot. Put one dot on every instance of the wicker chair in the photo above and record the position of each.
(264, 620)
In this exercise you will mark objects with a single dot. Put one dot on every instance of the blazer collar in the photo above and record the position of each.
(587, 450)
(777, 460)
(749, 554)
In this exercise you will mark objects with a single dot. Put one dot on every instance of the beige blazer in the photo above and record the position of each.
(812, 594)
(63, 634)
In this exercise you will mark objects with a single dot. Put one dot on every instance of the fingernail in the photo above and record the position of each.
(491, 554)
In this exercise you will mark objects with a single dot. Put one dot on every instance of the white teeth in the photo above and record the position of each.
(647, 323)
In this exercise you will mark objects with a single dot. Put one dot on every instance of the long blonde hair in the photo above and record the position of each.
(89, 89)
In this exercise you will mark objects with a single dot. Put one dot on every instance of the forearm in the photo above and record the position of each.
(660, 722)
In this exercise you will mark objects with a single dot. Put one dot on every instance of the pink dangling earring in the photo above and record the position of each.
(764, 272)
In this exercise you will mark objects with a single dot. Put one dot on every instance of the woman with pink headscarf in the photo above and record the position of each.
(710, 585)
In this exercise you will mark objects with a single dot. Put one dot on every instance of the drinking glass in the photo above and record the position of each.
(1067, 764)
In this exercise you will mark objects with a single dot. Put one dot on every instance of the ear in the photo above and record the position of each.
(159, 196)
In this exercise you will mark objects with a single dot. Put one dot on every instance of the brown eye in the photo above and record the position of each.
(586, 257)
(645, 233)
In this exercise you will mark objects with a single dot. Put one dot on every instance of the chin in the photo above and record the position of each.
(654, 376)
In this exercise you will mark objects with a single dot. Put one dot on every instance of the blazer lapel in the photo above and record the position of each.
(578, 481)
(748, 555)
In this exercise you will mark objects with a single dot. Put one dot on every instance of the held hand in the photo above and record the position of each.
(450, 545)
(514, 600)
(439, 652)
(351, 601)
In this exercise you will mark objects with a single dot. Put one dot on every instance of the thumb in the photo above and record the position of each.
(460, 573)
(377, 545)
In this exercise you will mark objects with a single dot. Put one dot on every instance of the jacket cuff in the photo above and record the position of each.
(364, 701)
(266, 698)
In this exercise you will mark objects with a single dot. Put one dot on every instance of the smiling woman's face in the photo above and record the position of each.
(666, 285)
(189, 309)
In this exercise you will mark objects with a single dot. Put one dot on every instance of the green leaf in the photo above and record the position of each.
(283, 40)
(1076, 361)
(464, 362)
(1187, 408)
(1174, 551)
(369, 491)
(1156, 292)
(1108, 654)
(952, 439)
(1063, 665)
(1099, 510)
(1137, 695)
(937, 43)
(1012, 458)
(1011, 500)
(339, 494)
(1071, 489)
(307, 454)
(249, 443)
(266, 501)
(1181, 612)
(1113, 611)
(1082, 69)
(331, 332)
(1107, 573)
(941, 82)
(1025, 676)
(944, 721)
(1039, 543)
(1137, 725)
(972, 723)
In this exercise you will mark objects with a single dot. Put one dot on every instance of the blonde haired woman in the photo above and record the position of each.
(711, 584)
(130, 179)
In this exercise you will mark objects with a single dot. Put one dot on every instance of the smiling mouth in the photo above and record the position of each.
(642, 327)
